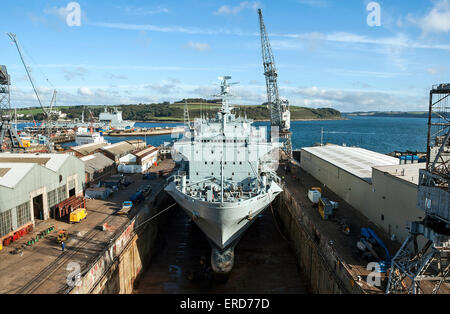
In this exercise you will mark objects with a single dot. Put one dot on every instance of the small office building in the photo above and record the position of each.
(138, 161)
(121, 149)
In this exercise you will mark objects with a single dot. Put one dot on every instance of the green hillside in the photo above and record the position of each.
(175, 111)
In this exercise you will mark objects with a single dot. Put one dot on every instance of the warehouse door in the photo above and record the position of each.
(71, 188)
(38, 207)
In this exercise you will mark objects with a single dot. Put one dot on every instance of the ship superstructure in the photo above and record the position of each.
(227, 177)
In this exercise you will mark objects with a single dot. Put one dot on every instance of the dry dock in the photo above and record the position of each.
(289, 250)
(264, 261)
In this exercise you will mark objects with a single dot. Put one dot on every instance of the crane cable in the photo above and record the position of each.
(276, 225)
(154, 216)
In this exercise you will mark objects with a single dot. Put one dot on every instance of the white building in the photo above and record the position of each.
(138, 161)
(374, 184)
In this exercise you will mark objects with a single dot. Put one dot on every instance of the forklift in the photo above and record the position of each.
(62, 236)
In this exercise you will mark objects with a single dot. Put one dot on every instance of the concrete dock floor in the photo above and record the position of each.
(264, 262)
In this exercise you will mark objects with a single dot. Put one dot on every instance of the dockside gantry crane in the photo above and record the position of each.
(425, 268)
(9, 140)
(279, 108)
(47, 117)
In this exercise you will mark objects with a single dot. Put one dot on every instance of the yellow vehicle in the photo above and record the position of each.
(78, 215)
(317, 189)
(62, 236)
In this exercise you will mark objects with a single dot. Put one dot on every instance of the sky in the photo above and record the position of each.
(328, 53)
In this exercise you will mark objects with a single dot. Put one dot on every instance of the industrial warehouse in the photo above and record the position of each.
(32, 184)
(377, 185)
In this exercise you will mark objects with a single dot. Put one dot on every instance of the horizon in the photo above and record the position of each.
(327, 54)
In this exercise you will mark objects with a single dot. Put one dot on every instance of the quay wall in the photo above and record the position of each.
(116, 270)
(326, 273)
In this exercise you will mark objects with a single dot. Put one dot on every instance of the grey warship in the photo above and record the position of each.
(226, 178)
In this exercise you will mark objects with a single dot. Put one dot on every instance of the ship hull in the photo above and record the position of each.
(223, 223)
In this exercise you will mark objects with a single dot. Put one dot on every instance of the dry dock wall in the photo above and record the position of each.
(121, 263)
(326, 273)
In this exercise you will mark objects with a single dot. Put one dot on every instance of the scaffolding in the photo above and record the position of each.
(9, 140)
(425, 269)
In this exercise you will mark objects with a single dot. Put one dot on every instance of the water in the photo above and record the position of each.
(380, 134)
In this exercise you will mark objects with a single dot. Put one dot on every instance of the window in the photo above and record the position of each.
(23, 214)
(52, 198)
(5, 223)
(62, 195)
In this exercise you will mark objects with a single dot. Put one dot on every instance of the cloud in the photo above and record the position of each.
(163, 88)
(400, 40)
(315, 3)
(289, 42)
(116, 76)
(371, 74)
(85, 91)
(61, 13)
(198, 46)
(77, 72)
(346, 100)
(437, 20)
(142, 11)
(230, 10)
(355, 100)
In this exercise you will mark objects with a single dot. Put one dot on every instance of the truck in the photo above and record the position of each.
(137, 197)
(126, 207)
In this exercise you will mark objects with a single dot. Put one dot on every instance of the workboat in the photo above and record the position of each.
(226, 177)
(83, 136)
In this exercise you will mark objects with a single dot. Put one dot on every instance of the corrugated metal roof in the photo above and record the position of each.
(146, 151)
(4, 171)
(50, 161)
(119, 148)
(355, 160)
(40, 161)
(96, 162)
(16, 173)
(88, 148)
